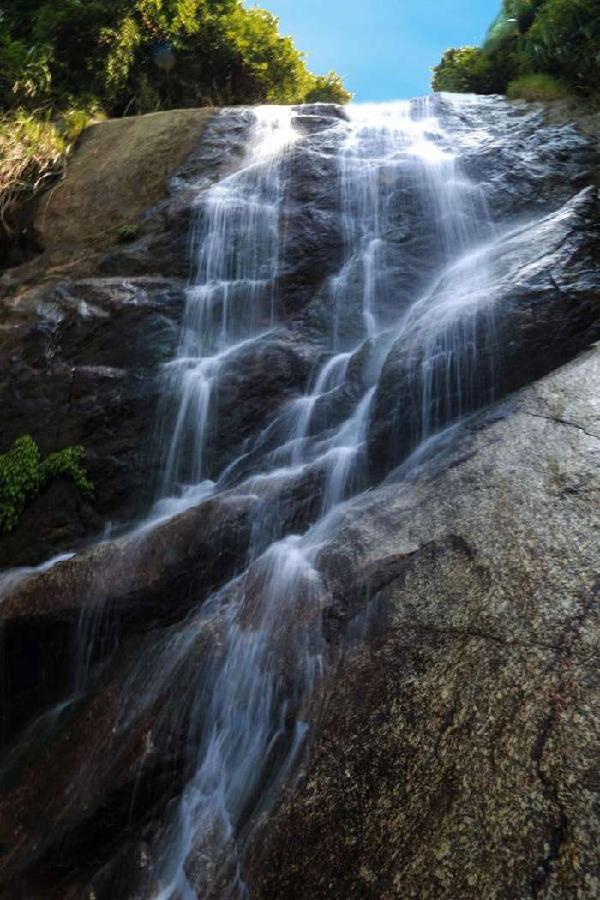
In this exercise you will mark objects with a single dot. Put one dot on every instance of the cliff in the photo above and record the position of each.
(86, 323)
(448, 610)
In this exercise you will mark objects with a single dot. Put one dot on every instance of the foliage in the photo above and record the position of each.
(541, 88)
(23, 474)
(564, 40)
(515, 18)
(24, 71)
(328, 89)
(465, 70)
(33, 145)
(127, 232)
(140, 55)
(559, 39)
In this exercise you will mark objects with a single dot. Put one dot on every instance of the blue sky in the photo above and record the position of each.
(383, 48)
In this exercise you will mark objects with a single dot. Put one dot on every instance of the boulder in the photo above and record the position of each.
(537, 304)
(121, 169)
(457, 754)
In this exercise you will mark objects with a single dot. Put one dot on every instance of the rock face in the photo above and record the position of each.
(453, 739)
(67, 376)
(458, 752)
(466, 703)
(541, 305)
(80, 348)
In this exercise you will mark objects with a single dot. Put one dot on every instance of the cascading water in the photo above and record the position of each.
(407, 279)
(249, 712)
(231, 302)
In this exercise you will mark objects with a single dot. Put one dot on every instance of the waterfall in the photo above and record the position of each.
(342, 276)
(250, 708)
(236, 244)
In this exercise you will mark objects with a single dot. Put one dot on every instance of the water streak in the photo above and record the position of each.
(412, 285)
(250, 709)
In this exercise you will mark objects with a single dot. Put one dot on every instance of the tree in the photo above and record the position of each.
(139, 55)
(564, 40)
(328, 89)
(467, 70)
(551, 43)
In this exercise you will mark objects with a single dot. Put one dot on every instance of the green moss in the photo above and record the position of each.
(537, 87)
(127, 233)
(23, 474)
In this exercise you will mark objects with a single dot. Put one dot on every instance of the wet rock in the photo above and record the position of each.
(468, 707)
(542, 305)
(79, 365)
(69, 376)
(312, 118)
(87, 604)
(84, 329)
(105, 766)
(458, 751)
(524, 160)
(331, 110)
(183, 557)
(455, 752)
(257, 383)
(81, 608)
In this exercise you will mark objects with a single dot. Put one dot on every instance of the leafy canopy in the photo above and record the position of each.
(133, 56)
(542, 48)
(465, 70)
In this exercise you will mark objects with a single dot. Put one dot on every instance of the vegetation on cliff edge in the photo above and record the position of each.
(536, 49)
(23, 474)
(65, 62)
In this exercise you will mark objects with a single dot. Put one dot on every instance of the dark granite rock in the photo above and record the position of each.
(542, 306)
(457, 750)
(453, 745)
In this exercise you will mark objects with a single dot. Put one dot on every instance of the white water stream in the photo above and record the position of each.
(251, 705)
(250, 708)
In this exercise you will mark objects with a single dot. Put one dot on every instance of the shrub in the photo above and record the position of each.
(24, 71)
(467, 70)
(33, 147)
(538, 87)
(555, 38)
(127, 233)
(23, 474)
(31, 150)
